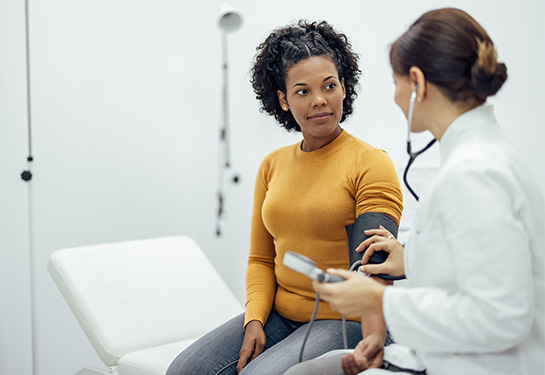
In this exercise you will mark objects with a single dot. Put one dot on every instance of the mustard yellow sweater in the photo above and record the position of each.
(303, 201)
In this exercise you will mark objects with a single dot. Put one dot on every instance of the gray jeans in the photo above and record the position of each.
(217, 352)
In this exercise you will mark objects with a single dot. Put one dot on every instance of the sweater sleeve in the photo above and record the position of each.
(260, 276)
(377, 185)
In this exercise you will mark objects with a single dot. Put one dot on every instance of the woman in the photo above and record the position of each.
(307, 197)
(475, 254)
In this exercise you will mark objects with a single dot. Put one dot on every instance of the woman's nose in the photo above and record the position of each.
(318, 100)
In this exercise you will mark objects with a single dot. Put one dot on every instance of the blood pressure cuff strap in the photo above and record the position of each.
(356, 235)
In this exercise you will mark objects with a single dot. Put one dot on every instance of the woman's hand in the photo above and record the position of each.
(368, 354)
(357, 296)
(252, 345)
(382, 239)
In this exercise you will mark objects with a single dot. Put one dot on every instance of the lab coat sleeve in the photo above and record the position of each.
(489, 306)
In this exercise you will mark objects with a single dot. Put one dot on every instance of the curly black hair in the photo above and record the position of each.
(285, 47)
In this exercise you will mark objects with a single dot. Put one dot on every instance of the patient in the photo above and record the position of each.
(307, 197)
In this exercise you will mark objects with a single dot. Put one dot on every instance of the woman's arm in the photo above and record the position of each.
(260, 276)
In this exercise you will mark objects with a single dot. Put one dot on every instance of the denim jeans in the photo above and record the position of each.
(217, 352)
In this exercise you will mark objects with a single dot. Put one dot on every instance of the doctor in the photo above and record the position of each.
(475, 255)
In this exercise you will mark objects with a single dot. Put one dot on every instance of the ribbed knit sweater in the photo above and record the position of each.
(302, 202)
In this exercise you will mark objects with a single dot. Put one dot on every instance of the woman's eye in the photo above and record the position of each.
(331, 86)
(302, 92)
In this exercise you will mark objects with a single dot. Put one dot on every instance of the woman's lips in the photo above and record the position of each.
(320, 117)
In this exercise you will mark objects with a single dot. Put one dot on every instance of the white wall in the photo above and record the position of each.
(125, 114)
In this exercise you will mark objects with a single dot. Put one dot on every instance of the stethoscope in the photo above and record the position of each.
(412, 155)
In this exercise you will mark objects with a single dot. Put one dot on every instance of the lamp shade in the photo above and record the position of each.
(229, 19)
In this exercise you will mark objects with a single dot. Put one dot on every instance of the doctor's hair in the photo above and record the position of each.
(454, 52)
(288, 45)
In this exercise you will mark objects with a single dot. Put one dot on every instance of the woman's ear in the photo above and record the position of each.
(418, 81)
(344, 88)
(282, 100)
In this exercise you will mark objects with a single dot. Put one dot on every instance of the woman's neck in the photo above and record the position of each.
(312, 143)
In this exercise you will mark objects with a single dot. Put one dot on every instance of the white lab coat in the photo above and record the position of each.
(475, 260)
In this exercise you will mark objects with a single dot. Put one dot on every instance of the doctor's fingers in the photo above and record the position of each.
(380, 231)
(376, 243)
(329, 290)
(375, 235)
(348, 289)
(360, 296)
(377, 269)
(393, 265)
(325, 290)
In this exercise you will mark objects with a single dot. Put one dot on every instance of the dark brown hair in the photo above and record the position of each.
(454, 52)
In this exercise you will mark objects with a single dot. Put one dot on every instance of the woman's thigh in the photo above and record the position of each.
(325, 335)
(212, 352)
(217, 352)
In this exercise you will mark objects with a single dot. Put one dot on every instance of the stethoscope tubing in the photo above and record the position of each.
(412, 155)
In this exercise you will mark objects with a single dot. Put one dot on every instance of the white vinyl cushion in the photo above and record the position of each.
(136, 295)
(153, 361)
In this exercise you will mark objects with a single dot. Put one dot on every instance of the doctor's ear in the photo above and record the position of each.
(417, 76)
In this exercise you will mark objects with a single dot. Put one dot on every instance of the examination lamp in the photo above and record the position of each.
(229, 20)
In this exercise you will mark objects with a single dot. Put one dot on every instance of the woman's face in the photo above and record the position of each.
(314, 95)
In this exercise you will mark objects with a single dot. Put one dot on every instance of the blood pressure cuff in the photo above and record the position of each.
(356, 235)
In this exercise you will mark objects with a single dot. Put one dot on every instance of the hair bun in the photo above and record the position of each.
(487, 74)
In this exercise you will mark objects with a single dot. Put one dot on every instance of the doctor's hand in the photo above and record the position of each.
(382, 239)
(252, 345)
(358, 295)
(368, 354)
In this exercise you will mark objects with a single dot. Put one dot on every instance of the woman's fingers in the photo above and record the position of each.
(353, 365)
(252, 344)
